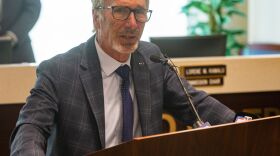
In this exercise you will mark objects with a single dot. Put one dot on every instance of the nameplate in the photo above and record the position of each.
(212, 75)
(211, 70)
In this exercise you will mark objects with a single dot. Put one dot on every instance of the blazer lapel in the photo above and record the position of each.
(142, 90)
(91, 79)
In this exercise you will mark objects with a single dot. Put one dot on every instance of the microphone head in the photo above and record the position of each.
(158, 59)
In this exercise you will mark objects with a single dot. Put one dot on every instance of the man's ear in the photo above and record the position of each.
(96, 19)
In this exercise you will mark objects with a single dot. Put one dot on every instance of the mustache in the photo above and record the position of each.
(130, 32)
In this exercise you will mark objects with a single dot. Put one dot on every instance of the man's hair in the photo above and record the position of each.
(97, 3)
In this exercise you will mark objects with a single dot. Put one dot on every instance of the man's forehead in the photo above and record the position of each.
(126, 2)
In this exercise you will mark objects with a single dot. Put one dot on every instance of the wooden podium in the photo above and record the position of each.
(260, 137)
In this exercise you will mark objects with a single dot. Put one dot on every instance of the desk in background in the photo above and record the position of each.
(249, 84)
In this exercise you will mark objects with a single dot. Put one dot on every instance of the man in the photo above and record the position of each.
(78, 105)
(17, 18)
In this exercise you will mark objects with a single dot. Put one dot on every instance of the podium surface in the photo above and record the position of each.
(260, 137)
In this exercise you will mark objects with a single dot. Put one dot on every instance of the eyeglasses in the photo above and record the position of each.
(123, 12)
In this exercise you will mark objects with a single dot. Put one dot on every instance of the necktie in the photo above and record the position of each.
(127, 132)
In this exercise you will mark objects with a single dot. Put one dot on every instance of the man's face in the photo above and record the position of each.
(117, 37)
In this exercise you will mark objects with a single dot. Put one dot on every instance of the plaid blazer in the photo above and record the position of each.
(64, 115)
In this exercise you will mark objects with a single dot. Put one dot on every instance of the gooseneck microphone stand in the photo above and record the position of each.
(198, 123)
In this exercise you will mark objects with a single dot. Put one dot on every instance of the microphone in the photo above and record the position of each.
(158, 59)
(198, 121)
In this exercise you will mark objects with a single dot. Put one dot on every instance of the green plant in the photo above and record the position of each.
(208, 17)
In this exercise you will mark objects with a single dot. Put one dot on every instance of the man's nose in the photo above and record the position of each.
(132, 20)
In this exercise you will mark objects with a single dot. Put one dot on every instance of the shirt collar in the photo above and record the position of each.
(107, 63)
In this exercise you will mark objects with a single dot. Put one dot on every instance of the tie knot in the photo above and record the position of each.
(123, 72)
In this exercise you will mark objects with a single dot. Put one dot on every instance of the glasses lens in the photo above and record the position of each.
(120, 13)
(141, 15)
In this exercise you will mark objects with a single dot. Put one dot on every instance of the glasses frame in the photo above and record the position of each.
(148, 12)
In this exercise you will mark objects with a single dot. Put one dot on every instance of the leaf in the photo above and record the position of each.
(215, 4)
(235, 31)
(201, 28)
(218, 19)
(234, 11)
(226, 20)
(237, 1)
(202, 6)
(227, 3)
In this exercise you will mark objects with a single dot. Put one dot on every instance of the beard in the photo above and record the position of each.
(124, 49)
(127, 41)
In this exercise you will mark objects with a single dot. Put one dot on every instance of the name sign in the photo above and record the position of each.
(212, 75)
(218, 70)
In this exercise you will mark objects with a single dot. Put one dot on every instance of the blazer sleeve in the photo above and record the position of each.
(37, 117)
(176, 103)
(29, 15)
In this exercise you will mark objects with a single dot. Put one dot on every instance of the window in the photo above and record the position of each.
(64, 24)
